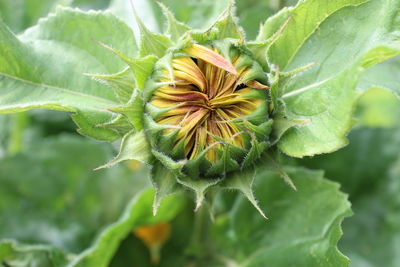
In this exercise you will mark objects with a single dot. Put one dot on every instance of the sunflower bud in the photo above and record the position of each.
(208, 109)
(196, 106)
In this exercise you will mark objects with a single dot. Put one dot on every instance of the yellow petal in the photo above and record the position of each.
(191, 70)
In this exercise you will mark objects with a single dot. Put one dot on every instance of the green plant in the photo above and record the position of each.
(207, 112)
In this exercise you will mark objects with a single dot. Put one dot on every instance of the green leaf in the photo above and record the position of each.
(303, 229)
(384, 75)
(328, 124)
(378, 107)
(371, 235)
(339, 53)
(138, 213)
(20, 15)
(291, 41)
(18, 255)
(56, 180)
(366, 164)
(43, 68)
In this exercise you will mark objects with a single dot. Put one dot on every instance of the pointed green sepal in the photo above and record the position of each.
(271, 162)
(87, 125)
(225, 164)
(259, 50)
(283, 122)
(225, 27)
(153, 129)
(119, 124)
(168, 162)
(134, 146)
(261, 131)
(141, 67)
(274, 25)
(122, 82)
(132, 110)
(175, 28)
(151, 43)
(243, 182)
(195, 167)
(164, 183)
(256, 150)
(269, 32)
(199, 186)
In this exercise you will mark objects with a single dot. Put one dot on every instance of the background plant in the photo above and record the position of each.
(45, 169)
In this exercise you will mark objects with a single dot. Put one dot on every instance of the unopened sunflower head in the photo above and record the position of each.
(196, 107)
(208, 108)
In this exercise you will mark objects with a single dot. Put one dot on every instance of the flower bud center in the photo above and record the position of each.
(204, 98)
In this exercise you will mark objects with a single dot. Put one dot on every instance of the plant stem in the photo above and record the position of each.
(197, 247)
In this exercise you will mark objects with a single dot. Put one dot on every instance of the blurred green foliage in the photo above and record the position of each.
(50, 195)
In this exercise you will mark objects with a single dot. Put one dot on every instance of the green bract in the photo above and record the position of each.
(200, 109)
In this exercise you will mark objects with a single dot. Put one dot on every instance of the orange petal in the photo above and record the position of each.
(154, 236)
(209, 56)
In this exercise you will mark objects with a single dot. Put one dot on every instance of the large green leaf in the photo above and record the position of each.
(378, 107)
(21, 14)
(303, 229)
(384, 75)
(372, 162)
(341, 38)
(44, 67)
(372, 236)
(365, 160)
